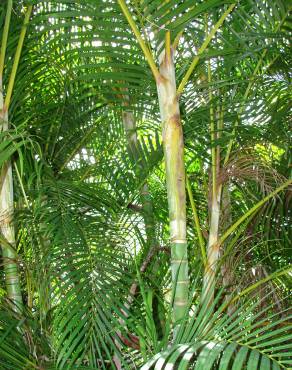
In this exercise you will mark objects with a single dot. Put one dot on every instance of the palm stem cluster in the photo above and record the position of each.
(145, 184)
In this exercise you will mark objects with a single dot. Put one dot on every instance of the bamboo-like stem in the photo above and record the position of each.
(214, 243)
(213, 248)
(6, 181)
(203, 48)
(6, 225)
(5, 37)
(220, 126)
(17, 57)
(173, 145)
(147, 53)
(212, 133)
(197, 221)
(175, 172)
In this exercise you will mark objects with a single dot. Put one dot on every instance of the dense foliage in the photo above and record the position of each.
(91, 280)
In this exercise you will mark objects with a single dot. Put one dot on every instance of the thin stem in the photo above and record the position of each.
(203, 48)
(176, 40)
(4, 38)
(76, 148)
(144, 47)
(21, 185)
(17, 57)
(197, 221)
(212, 132)
(167, 45)
(213, 250)
(220, 126)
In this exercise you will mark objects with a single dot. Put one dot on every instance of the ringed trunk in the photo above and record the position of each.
(173, 146)
(6, 224)
(6, 180)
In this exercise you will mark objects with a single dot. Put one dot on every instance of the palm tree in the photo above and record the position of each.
(101, 215)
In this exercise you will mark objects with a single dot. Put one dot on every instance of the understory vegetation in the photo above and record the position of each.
(145, 189)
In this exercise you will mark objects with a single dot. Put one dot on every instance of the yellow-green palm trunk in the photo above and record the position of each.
(6, 225)
(213, 246)
(6, 180)
(174, 163)
(173, 145)
(212, 249)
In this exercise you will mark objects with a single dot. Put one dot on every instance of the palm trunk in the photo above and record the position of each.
(173, 145)
(212, 250)
(174, 161)
(6, 225)
(6, 192)
(6, 180)
(213, 247)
